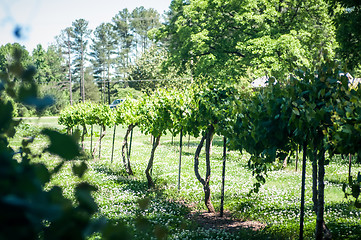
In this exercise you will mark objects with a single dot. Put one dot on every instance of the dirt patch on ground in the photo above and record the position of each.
(213, 220)
(227, 222)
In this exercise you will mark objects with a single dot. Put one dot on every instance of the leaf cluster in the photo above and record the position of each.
(87, 113)
(28, 211)
(311, 107)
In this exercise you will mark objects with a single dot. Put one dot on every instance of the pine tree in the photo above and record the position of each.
(90, 87)
(103, 49)
(125, 41)
(40, 61)
(142, 21)
(80, 43)
(64, 41)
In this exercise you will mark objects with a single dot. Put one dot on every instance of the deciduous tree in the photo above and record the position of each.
(348, 31)
(252, 38)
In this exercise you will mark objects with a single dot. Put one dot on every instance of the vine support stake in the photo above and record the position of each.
(91, 140)
(111, 159)
(296, 157)
(100, 141)
(180, 157)
(223, 173)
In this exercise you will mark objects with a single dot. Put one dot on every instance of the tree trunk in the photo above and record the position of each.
(83, 136)
(130, 145)
(302, 210)
(150, 163)
(99, 141)
(103, 88)
(69, 65)
(126, 159)
(207, 190)
(284, 165)
(196, 160)
(205, 182)
(108, 79)
(82, 74)
(321, 188)
(211, 143)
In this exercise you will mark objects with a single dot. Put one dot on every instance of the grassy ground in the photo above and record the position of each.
(276, 205)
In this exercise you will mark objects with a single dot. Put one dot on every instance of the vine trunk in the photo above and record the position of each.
(150, 163)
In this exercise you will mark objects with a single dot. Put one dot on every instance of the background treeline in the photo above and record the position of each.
(100, 65)
(142, 50)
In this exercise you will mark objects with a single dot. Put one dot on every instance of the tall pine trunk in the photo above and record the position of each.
(69, 65)
(150, 163)
(82, 74)
(108, 79)
(205, 182)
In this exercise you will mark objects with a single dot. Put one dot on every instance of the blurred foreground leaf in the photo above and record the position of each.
(62, 145)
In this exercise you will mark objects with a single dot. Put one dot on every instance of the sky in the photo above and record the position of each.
(39, 21)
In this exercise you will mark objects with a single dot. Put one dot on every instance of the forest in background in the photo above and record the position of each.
(140, 50)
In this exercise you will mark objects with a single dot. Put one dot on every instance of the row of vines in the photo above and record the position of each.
(315, 111)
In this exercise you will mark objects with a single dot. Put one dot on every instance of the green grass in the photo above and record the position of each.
(276, 205)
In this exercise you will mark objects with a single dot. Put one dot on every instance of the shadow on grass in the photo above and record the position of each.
(171, 215)
(127, 182)
(191, 144)
(346, 225)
